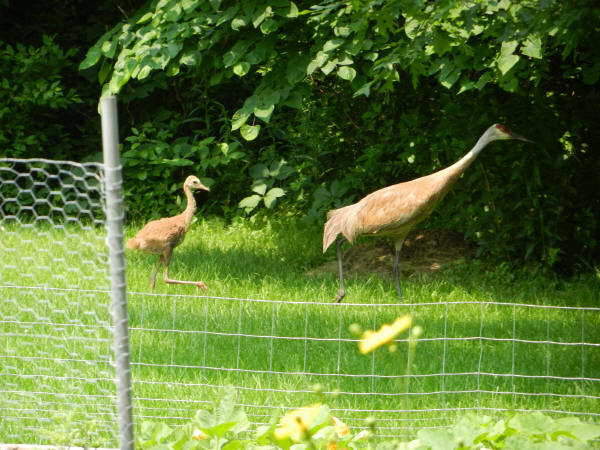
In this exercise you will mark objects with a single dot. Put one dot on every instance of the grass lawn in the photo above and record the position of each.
(494, 339)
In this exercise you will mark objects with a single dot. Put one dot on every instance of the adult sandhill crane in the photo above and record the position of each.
(394, 210)
(161, 236)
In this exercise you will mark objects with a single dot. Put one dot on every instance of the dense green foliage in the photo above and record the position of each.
(300, 107)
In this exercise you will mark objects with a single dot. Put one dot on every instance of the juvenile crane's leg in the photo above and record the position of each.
(153, 277)
(167, 257)
(396, 258)
(340, 295)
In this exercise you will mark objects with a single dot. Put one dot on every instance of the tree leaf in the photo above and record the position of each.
(332, 45)
(241, 69)
(507, 59)
(346, 73)
(250, 132)
(268, 26)
(365, 90)
(532, 47)
(264, 111)
(239, 118)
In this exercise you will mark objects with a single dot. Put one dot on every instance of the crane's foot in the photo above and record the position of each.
(339, 296)
(201, 285)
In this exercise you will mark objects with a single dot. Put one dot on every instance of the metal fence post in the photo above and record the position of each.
(114, 219)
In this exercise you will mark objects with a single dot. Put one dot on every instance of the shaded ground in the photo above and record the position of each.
(424, 252)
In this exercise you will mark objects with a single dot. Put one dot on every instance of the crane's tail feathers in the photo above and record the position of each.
(133, 244)
(336, 224)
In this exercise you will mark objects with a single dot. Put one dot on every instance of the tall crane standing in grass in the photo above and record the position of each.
(161, 236)
(394, 210)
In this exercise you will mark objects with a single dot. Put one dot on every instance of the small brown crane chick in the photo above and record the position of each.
(161, 236)
(394, 210)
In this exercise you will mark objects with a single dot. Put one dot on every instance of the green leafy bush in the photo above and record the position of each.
(32, 93)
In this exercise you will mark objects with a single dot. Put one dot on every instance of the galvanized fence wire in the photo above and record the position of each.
(507, 356)
(57, 378)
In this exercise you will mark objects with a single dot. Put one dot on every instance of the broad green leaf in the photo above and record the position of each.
(268, 26)
(239, 118)
(264, 112)
(411, 27)
(532, 47)
(260, 187)
(109, 48)
(581, 430)
(238, 22)
(441, 43)
(260, 14)
(328, 68)
(346, 73)
(241, 69)
(145, 18)
(438, 439)
(532, 423)
(293, 11)
(332, 45)
(317, 62)
(258, 171)
(507, 59)
(365, 90)
(250, 132)
(191, 58)
(271, 197)
(249, 203)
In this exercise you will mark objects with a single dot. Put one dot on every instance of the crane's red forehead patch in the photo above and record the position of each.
(502, 128)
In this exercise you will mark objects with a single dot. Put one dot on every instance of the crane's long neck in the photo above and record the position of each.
(454, 171)
(188, 214)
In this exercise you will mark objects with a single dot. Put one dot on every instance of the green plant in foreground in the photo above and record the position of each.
(315, 428)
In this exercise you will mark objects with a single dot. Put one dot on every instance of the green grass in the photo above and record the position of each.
(186, 343)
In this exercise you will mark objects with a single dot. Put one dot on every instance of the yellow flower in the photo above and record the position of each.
(295, 423)
(332, 446)
(199, 435)
(341, 429)
(373, 339)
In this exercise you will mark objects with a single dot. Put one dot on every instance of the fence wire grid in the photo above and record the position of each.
(57, 365)
(56, 373)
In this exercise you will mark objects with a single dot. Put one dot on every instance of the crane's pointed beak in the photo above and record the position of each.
(204, 188)
(520, 138)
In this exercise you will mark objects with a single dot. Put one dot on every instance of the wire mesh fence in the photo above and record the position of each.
(57, 374)
(482, 357)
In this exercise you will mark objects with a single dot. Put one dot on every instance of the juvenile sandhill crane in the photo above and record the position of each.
(161, 236)
(394, 210)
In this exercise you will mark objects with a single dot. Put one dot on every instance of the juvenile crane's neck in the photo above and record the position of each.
(190, 209)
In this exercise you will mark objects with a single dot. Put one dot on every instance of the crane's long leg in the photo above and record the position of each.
(396, 258)
(153, 277)
(167, 257)
(340, 295)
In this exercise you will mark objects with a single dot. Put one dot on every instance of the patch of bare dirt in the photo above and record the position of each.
(424, 252)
